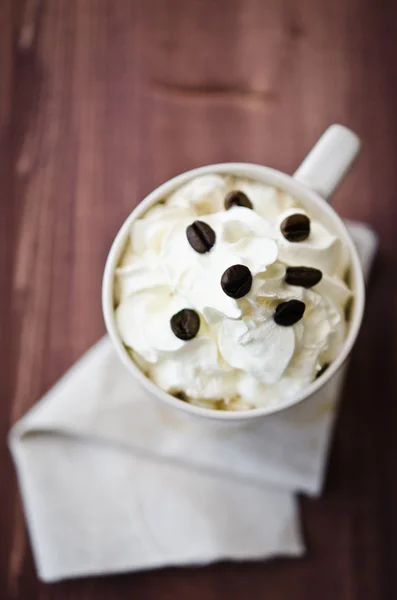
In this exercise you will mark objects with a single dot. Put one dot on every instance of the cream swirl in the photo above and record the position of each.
(240, 357)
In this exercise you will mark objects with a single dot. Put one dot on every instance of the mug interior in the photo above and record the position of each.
(316, 205)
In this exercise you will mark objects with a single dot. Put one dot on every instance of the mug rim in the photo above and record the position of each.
(269, 176)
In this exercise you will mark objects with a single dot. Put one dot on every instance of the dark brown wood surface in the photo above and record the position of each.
(102, 100)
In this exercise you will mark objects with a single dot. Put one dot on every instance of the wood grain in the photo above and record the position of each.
(100, 101)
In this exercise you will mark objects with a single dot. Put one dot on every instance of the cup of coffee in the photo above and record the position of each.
(234, 291)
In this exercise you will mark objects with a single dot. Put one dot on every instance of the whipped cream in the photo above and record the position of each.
(240, 358)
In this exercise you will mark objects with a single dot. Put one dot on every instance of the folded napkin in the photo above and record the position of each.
(112, 481)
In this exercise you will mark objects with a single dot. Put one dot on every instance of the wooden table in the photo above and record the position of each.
(102, 100)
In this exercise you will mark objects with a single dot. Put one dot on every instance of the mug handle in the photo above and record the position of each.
(329, 160)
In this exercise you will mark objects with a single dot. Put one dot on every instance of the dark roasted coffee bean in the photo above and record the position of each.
(305, 277)
(237, 198)
(200, 236)
(288, 313)
(296, 228)
(236, 281)
(185, 324)
(322, 370)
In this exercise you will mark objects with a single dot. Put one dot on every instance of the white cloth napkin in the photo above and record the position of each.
(111, 481)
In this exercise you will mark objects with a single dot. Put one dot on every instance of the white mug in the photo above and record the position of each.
(312, 184)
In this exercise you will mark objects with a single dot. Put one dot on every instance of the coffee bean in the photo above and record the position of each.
(185, 324)
(305, 277)
(237, 198)
(322, 370)
(288, 313)
(200, 236)
(236, 281)
(296, 228)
